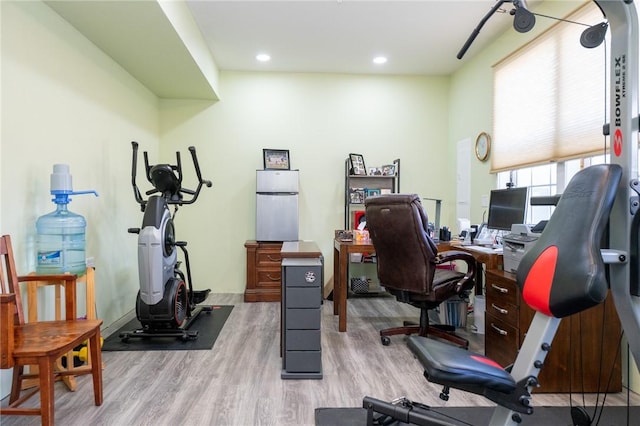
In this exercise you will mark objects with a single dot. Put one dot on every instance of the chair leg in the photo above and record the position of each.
(16, 383)
(96, 366)
(46, 390)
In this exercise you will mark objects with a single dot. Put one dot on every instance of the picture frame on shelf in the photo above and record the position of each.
(375, 171)
(276, 159)
(389, 170)
(371, 193)
(356, 195)
(357, 165)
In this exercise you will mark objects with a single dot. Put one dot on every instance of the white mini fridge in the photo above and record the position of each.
(276, 205)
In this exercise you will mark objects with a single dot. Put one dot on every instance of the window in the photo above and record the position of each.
(547, 179)
(560, 103)
(549, 98)
(541, 180)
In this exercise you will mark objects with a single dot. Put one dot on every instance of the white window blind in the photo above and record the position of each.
(549, 97)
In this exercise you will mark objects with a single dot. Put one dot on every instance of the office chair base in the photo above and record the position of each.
(440, 331)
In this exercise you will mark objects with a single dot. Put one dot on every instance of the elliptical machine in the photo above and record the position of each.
(165, 305)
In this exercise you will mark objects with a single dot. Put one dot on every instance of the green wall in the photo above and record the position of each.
(321, 119)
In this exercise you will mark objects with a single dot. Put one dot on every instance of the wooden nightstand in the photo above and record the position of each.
(264, 272)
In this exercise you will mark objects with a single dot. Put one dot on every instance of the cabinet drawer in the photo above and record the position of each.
(501, 292)
(301, 297)
(506, 312)
(303, 276)
(302, 340)
(501, 340)
(301, 319)
(268, 257)
(303, 361)
(269, 277)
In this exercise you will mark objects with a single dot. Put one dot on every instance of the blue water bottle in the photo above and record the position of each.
(60, 239)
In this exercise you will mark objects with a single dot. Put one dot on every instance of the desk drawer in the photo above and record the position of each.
(501, 291)
(505, 312)
(501, 340)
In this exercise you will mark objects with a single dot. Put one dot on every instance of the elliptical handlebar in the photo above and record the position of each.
(136, 190)
(169, 198)
(201, 181)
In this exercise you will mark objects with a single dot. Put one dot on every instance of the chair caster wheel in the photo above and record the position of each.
(385, 340)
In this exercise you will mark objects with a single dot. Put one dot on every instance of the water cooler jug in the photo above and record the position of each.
(60, 239)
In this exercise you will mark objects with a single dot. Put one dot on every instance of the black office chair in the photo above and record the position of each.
(407, 263)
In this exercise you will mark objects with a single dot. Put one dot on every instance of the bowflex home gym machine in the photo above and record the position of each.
(568, 270)
(165, 305)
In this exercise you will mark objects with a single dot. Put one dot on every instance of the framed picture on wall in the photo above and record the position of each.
(276, 159)
(357, 164)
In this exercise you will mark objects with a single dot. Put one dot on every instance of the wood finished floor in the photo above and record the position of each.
(238, 381)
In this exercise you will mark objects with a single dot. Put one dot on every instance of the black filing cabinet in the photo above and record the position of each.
(301, 315)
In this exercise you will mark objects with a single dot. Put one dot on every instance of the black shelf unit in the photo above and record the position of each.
(365, 182)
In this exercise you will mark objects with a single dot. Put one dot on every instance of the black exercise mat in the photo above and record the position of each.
(476, 416)
(208, 326)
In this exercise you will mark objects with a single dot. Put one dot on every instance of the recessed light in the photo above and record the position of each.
(263, 57)
(380, 60)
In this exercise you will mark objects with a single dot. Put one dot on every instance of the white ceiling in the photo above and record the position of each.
(327, 36)
(343, 36)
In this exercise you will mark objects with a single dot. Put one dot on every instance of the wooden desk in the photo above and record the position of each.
(577, 361)
(490, 260)
(341, 252)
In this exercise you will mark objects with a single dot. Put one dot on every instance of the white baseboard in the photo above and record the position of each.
(115, 326)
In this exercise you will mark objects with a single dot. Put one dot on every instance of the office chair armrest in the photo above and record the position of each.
(69, 283)
(466, 282)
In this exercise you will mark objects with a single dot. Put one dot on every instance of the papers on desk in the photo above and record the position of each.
(485, 249)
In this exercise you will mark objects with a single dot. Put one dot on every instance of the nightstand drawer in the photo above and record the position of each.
(269, 277)
(268, 257)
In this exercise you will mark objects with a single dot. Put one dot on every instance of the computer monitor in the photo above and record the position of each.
(506, 207)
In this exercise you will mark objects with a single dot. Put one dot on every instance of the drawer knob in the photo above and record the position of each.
(500, 289)
(499, 330)
(499, 309)
(274, 258)
(272, 278)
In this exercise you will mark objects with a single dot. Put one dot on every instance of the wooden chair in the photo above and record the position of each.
(66, 363)
(40, 343)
